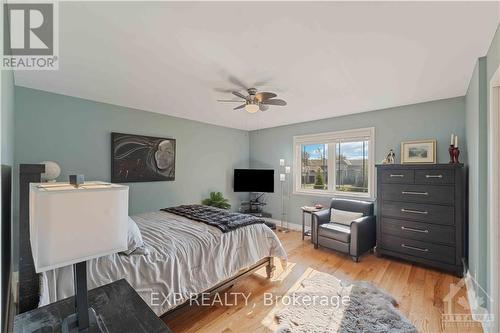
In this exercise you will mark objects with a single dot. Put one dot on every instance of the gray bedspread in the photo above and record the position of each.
(217, 217)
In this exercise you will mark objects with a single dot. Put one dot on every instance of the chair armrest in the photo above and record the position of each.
(321, 217)
(363, 235)
(364, 219)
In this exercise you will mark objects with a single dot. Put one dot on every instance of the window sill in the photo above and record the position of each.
(334, 195)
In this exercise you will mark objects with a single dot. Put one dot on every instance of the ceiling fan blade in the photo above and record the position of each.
(263, 107)
(279, 102)
(234, 80)
(239, 107)
(228, 101)
(261, 96)
(263, 82)
(223, 90)
(240, 95)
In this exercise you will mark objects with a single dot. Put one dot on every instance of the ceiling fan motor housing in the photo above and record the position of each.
(256, 101)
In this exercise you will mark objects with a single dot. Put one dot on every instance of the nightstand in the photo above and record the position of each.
(120, 307)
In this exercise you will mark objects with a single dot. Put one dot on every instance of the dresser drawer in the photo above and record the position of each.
(435, 214)
(419, 193)
(442, 253)
(426, 232)
(434, 176)
(397, 176)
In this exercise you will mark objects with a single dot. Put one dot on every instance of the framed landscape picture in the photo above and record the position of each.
(418, 152)
(139, 158)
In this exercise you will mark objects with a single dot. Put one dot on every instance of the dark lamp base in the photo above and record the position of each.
(96, 325)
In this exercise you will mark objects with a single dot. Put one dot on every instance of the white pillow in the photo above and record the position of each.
(134, 237)
(343, 216)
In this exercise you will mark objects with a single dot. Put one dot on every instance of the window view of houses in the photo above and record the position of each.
(350, 168)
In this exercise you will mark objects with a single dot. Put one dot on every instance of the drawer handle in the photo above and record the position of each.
(396, 176)
(414, 248)
(424, 212)
(414, 193)
(415, 230)
(433, 176)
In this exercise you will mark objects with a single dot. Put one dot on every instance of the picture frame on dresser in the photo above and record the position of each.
(418, 152)
(421, 214)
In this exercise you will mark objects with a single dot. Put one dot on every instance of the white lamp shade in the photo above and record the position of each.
(70, 225)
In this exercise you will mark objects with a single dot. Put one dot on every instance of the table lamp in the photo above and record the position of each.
(72, 224)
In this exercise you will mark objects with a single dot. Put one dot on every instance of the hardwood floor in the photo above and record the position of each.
(419, 291)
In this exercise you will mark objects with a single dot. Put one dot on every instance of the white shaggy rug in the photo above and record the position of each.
(324, 303)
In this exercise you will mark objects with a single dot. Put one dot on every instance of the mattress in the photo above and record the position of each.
(181, 258)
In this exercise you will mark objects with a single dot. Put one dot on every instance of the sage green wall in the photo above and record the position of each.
(431, 120)
(7, 111)
(477, 106)
(76, 133)
(476, 120)
(6, 139)
(7, 117)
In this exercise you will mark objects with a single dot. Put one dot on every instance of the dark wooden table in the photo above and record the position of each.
(117, 304)
(304, 212)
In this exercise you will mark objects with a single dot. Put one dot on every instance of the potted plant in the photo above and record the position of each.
(216, 199)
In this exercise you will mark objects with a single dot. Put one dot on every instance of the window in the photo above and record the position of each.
(336, 163)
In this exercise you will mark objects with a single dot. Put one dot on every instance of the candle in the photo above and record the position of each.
(282, 162)
(287, 169)
(282, 177)
(456, 141)
(451, 142)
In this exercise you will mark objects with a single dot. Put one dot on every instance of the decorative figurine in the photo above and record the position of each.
(391, 158)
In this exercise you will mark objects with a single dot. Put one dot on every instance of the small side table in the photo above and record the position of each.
(119, 306)
(304, 212)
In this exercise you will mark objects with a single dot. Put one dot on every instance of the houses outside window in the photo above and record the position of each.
(335, 163)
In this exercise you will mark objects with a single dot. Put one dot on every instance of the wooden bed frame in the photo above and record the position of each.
(28, 289)
(265, 262)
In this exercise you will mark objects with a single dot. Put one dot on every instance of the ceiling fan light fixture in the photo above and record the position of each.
(252, 108)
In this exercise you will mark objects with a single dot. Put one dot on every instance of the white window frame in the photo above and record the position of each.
(331, 138)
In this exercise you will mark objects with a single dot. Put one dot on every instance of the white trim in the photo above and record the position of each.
(494, 193)
(328, 137)
(473, 300)
(331, 138)
(291, 226)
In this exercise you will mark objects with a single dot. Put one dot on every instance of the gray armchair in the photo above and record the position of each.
(355, 239)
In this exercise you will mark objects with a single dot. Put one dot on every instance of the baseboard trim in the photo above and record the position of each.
(291, 226)
(475, 307)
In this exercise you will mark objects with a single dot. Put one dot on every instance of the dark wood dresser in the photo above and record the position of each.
(421, 214)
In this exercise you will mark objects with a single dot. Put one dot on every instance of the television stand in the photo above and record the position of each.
(255, 209)
(252, 206)
(259, 214)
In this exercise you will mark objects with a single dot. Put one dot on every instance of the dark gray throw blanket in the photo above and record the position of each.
(217, 217)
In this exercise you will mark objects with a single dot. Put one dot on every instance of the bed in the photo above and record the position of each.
(181, 258)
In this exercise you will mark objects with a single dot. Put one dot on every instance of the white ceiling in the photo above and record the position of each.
(326, 58)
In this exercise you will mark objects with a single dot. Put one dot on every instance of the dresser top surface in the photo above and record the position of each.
(420, 166)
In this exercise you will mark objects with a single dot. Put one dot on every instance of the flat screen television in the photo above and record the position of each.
(254, 180)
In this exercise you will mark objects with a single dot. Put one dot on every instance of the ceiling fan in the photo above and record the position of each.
(255, 100)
